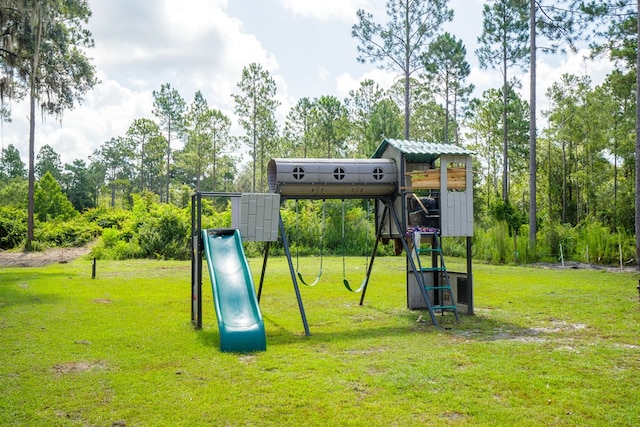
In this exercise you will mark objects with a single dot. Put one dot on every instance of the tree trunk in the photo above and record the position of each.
(407, 75)
(637, 219)
(505, 131)
(533, 228)
(168, 160)
(446, 110)
(32, 130)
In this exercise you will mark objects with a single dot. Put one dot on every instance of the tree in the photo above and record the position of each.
(360, 105)
(50, 202)
(487, 115)
(48, 160)
(331, 125)
(256, 106)
(197, 152)
(221, 143)
(385, 122)
(117, 157)
(45, 56)
(557, 24)
(445, 70)
(568, 126)
(169, 107)
(400, 43)
(76, 183)
(150, 146)
(11, 165)
(298, 128)
(503, 44)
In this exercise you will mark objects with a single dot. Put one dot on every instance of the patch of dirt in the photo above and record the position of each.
(584, 266)
(73, 367)
(41, 258)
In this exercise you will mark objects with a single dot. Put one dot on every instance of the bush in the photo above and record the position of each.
(114, 245)
(165, 234)
(72, 233)
(13, 227)
(108, 217)
(493, 244)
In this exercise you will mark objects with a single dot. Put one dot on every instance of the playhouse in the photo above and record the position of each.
(422, 192)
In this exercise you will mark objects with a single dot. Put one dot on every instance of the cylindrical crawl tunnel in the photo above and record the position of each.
(333, 178)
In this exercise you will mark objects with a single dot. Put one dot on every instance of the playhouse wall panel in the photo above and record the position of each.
(259, 215)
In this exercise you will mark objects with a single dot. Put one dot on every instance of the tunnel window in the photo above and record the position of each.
(339, 173)
(298, 173)
(378, 174)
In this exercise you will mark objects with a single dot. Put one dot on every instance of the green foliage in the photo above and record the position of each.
(108, 218)
(14, 193)
(116, 244)
(71, 233)
(165, 233)
(505, 211)
(256, 106)
(50, 202)
(11, 165)
(13, 227)
(493, 243)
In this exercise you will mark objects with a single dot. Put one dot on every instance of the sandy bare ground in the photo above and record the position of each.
(42, 258)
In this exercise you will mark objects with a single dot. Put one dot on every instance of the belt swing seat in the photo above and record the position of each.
(345, 281)
(317, 279)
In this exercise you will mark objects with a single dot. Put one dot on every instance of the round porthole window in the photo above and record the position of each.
(378, 174)
(298, 173)
(339, 173)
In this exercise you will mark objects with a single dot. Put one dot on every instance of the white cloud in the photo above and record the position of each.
(192, 45)
(325, 10)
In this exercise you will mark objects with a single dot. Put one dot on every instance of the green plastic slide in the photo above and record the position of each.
(234, 296)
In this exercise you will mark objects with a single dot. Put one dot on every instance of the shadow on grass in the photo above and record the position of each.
(209, 337)
(485, 328)
(476, 328)
(15, 290)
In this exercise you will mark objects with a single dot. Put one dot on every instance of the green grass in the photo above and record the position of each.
(546, 347)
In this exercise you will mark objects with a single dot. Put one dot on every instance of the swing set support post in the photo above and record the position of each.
(285, 244)
(264, 269)
(373, 254)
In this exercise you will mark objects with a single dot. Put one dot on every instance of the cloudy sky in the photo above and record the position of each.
(203, 45)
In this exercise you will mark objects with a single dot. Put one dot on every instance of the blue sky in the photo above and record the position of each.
(204, 44)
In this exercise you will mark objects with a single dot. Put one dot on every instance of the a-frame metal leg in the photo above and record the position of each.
(264, 268)
(285, 243)
(373, 254)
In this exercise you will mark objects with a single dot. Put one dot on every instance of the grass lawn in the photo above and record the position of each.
(545, 348)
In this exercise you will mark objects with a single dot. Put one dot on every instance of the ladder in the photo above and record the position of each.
(428, 242)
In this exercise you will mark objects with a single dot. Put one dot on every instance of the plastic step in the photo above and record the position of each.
(433, 269)
(436, 288)
(444, 307)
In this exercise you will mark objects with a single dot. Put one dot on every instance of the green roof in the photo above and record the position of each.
(419, 151)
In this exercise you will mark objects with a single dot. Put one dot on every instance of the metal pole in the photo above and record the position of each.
(373, 255)
(469, 278)
(264, 269)
(293, 277)
(199, 257)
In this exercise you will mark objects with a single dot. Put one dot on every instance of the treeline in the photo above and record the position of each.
(585, 169)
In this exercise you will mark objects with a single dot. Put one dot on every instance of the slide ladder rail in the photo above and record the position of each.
(443, 295)
(239, 318)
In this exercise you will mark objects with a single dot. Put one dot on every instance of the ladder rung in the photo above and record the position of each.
(444, 307)
(435, 288)
(433, 269)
